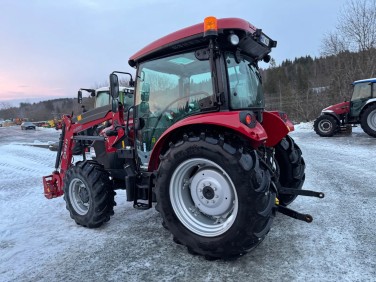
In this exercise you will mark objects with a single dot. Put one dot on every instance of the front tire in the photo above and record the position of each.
(214, 197)
(368, 120)
(291, 168)
(325, 126)
(88, 194)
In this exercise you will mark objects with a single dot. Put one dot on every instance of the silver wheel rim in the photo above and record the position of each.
(371, 120)
(325, 125)
(79, 196)
(203, 197)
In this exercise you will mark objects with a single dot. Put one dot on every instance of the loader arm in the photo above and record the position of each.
(53, 184)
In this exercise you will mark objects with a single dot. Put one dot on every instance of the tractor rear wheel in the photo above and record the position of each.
(88, 194)
(214, 197)
(368, 120)
(325, 126)
(291, 168)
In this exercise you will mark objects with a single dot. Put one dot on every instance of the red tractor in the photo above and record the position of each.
(197, 141)
(360, 110)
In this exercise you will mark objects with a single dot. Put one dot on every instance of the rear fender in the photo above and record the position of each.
(229, 120)
(277, 126)
(369, 103)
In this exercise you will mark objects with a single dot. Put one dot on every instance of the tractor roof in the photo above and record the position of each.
(373, 80)
(187, 37)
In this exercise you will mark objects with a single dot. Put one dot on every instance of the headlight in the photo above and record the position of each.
(264, 40)
(234, 39)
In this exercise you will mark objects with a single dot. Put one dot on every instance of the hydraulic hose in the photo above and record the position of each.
(61, 140)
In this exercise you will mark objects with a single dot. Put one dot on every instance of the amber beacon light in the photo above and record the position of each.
(210, 26)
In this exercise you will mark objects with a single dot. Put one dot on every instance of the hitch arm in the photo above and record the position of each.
(294, 214)
(299, 192)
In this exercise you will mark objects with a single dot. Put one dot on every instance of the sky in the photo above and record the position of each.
(50, 49)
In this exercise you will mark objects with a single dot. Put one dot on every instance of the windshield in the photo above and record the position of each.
(102, 99)
(361, 91)
(168, 90)
(245, 84)
(125, 97)
(169, 83)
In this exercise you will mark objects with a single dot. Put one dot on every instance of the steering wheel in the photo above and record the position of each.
(206, 94)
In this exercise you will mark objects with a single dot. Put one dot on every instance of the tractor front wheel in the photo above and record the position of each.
(291, 168)
(214, 197)
(88, 194)
(368, 120)
(325, 126)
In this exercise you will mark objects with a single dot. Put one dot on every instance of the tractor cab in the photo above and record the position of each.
(364, 90)
(103, 98)
(197, 71)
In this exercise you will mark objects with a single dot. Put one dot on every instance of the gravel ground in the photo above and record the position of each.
(39, 241)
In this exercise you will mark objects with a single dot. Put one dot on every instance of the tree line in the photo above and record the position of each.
(45, 110)
(306, 85)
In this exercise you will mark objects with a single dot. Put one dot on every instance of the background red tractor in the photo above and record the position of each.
(197, 141)
(360, 110)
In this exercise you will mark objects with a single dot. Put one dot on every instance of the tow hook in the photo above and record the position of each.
(294, 214)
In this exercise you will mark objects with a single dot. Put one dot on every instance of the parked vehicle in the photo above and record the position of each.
(28, 125)
(360, 110)
(103, 98)
(199, 143)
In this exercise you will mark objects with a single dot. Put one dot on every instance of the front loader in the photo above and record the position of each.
(197, 141)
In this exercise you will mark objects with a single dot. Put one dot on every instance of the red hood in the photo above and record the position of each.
(341, 108)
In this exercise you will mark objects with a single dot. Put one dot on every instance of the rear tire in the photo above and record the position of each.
(214, 198)
(326, 125)
(368, 120)
(291, 168)
(88, 194)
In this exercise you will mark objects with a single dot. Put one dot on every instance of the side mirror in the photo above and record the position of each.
(114, 86)
(79, 97)
(131, 82)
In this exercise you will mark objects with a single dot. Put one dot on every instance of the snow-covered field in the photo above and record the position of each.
(40, 242)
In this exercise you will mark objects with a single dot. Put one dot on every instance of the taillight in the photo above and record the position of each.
(248, 118)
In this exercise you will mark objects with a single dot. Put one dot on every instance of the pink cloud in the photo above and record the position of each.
(11, 89)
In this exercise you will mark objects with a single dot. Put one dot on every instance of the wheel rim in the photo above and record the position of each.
(371, 120)
(325, 125)
(203, 197)
(79, 196)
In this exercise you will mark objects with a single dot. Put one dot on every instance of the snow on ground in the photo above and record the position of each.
(40, 242)
(304, 126)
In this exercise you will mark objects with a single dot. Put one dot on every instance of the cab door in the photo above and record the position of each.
(362, 93)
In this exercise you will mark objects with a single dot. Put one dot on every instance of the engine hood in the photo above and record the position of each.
(340, 108)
